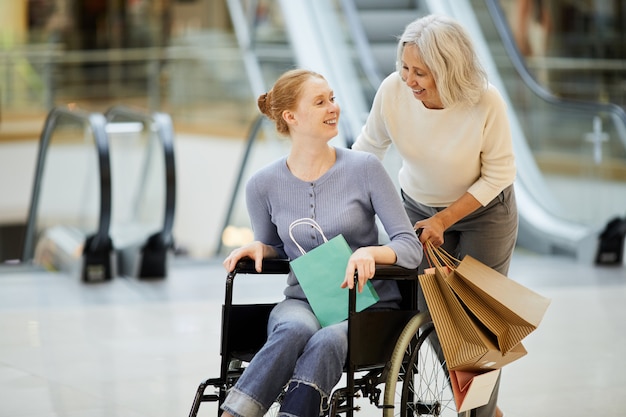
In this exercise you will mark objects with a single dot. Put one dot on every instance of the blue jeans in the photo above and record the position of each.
(297, 352)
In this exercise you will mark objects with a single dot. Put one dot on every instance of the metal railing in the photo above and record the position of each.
(38, 77)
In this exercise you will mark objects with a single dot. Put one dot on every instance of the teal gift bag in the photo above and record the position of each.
(321, 271)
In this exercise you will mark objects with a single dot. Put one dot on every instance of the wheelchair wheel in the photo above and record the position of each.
(417, 383)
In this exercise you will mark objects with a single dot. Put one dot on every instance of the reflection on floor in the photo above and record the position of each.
(127, 348)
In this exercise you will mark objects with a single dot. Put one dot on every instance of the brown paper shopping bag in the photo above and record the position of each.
(472, 389)
(508, 309)
(466, 344)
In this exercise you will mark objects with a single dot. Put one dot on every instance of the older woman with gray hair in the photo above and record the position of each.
(451, 129)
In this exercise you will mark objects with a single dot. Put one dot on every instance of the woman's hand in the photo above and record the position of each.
(432, 229)
(363, 262)
(255, 250)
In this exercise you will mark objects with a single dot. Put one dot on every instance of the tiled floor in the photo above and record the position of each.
(129, 348)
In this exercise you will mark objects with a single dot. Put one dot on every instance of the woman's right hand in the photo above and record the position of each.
(255, 251)
(431, 229)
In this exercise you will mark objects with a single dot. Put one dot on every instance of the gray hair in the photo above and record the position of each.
(447, 50)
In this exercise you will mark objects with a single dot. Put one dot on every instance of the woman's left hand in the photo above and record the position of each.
(363, 263)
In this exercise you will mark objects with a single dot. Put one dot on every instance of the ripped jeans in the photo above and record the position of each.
(297, 352)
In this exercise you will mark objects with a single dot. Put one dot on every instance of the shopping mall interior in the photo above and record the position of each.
(128, 129)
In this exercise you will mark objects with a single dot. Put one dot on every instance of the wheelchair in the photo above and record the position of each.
(389, 352)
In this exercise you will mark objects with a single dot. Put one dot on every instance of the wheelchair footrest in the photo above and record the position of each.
(209, 397)
(213, 382)
(216, 382)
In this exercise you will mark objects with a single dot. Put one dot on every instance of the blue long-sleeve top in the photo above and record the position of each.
(345, 200)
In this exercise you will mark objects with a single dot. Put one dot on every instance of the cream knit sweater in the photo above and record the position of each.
(445, 152)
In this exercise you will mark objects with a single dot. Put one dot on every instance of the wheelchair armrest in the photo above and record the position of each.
(246, 266)
(395, 272)
(270, 266)
(281, 266)
(407, 281)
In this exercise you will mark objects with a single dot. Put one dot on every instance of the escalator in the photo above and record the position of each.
(571, 155)
(143, 177)
(571, 151)
(70, 207)
(98, 180)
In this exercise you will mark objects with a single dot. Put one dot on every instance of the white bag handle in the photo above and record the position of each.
(302, 221)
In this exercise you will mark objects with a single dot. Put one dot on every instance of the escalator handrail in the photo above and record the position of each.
(164, 129)
(361, 43)
(253, 133)
(246, 39)
(500, 22)
(97, 123)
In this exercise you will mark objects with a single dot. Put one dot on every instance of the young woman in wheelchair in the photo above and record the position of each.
(343, 191)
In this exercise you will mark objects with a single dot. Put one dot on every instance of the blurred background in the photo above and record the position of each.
(128, 127)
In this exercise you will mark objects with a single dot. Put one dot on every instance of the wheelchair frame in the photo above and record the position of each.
(381, 363)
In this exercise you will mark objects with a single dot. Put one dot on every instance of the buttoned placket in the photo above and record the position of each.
(314, 234)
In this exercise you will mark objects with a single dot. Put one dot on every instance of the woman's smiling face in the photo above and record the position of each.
(419, 78)
(317, 112)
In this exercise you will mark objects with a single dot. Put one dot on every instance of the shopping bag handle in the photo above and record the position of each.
(438, 257)
(305, 221)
